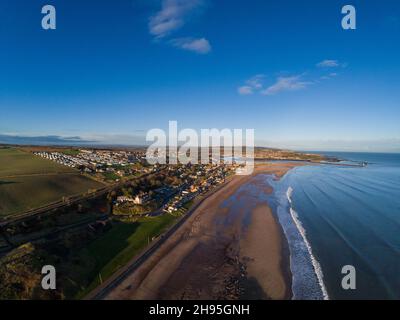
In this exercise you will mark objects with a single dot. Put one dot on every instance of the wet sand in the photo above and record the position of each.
(223, 251)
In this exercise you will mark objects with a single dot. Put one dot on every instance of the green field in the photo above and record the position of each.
(14, 162)
(28, 181)
(105, 255)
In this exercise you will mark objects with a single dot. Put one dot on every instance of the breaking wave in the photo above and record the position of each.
(302, 231)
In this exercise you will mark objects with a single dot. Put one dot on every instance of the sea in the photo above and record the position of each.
(338, 215)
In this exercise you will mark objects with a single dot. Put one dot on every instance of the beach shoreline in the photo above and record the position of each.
(221, 251)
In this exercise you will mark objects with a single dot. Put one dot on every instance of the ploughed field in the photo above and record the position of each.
(28, 182)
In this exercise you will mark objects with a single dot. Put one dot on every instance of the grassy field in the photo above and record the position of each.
(28, 181)
(14, 162)
(105, 255)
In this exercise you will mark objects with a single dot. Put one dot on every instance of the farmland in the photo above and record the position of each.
(14, 162)
(28, 182)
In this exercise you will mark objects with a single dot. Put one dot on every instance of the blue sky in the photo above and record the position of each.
(114, 69)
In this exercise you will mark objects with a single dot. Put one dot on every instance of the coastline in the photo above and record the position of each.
(222, 251)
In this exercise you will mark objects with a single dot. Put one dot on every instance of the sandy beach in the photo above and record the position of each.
(231, 247)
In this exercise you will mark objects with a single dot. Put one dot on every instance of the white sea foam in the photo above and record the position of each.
(302, 231)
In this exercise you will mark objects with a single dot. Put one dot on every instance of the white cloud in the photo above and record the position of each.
(328, 64)
(292, 83)
(172, 16)
(329, 76)
(245, 90)
(255, 83)
(201, 46)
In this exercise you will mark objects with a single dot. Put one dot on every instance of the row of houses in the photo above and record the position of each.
(61, 158)
(202, 181)
(97, 161)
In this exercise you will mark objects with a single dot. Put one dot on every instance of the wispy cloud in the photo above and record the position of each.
(330, 64)
(256, 81)
(172, 16)
(201, 46)
(253, 84)
(291, 83)
(329, 76)
(245, 90)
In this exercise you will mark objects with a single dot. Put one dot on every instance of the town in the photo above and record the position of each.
(170, 189)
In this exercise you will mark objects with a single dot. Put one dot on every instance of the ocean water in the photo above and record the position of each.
(336, 215)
